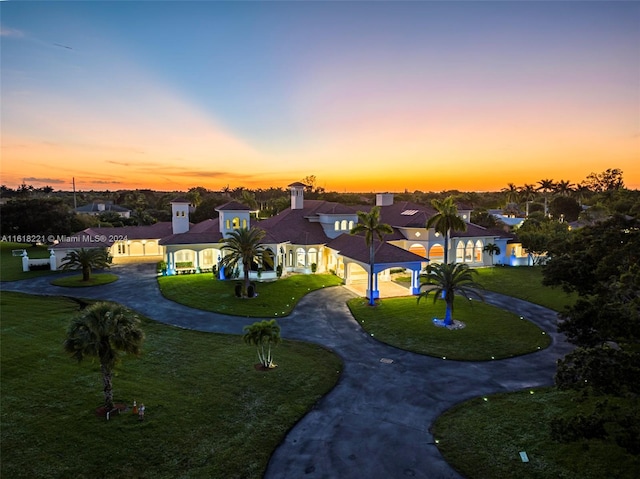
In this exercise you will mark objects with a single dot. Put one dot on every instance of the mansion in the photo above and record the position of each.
(309, 236)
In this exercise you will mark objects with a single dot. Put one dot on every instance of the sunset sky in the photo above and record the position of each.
(366, 96)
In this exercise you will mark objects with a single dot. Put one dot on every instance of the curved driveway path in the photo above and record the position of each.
(375, 422)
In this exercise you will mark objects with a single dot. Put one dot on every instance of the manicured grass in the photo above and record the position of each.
(11, 266)
(490, 333)
(209, 413)
(275, 299)
(483, 439)
(76, 281)
(525, 283)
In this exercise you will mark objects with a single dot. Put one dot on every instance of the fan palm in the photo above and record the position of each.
(445, 280)
(242, 247)
(445, 221)
(103, 330)
(546, 186)
(261, 334)
(86, 260)
(370, 225)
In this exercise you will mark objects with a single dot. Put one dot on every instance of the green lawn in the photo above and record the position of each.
(11, 266)
(209, 413)
(275, 299)
(490, 333)
(525, 283)
(483, 439)
(76, 281)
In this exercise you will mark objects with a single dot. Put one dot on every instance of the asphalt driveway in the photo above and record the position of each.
(375, 423)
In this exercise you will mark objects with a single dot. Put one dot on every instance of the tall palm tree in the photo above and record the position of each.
(86, 260)
(528, 194)
(445, 221)
(492, 249)
(546, 186)
(103, 330)
(564, 187)
(445, 280)
(511, 193)
(369, 224)
(261, 334)
(243, 247)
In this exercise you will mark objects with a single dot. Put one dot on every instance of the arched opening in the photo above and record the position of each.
(418, 249)
(312, 256)
(436, 253)
(300, 258)
(336, 225)
(268, 260)
(343, 224)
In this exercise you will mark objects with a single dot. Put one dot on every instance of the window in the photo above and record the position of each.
(468, 252)
(478, 251)
(228, 224)
(236, 223)
(460, 252)
(350, 225)
(313, 256)
(336, 225)
(244, 223)
(343, 224)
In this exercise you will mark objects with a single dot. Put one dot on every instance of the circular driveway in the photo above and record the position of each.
(375, 423)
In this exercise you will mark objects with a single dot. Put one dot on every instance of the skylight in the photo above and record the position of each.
(409, 212)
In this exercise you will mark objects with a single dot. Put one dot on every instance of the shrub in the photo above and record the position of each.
(184, 264)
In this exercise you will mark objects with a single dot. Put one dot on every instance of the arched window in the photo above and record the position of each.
(460, 252)
(236, 223)
(343, 224)
(478, 251)
(244, 223)
(468, 252)
(336, 225)
(228, 224)
(350, 225)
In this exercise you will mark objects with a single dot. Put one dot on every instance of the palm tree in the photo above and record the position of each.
(261, 334)
(546, 186)
(445, 221)
(445, 280)
(528, 194)
(511, 193)
(103, 330)
(492, 249)
(369, 224)
(564, 188)
(243, 248)
(86, 260)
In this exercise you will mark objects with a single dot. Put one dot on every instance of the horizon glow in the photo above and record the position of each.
(366, 96)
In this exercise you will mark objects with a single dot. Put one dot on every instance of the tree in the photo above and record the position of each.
(369, 224)
(263, 334)
(86, 259)
(546, 186)
(243, 247)
(104, 330)
(36, 216)
(528, 194)
(445, 221)
(445, 280)
(511, 193)
(610, 179)
(492, 249)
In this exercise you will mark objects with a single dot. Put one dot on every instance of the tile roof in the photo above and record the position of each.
(207, 231)
(294, 227)
(233, 206)
(154, 231)
(355, 247)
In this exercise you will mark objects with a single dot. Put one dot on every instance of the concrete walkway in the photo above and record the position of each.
(375, 423)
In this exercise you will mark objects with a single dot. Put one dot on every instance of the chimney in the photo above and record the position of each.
(297, 195)
(384, 199)
(179, 216)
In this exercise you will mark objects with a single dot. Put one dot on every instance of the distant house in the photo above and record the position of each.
(310, 235)
(99, 207)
